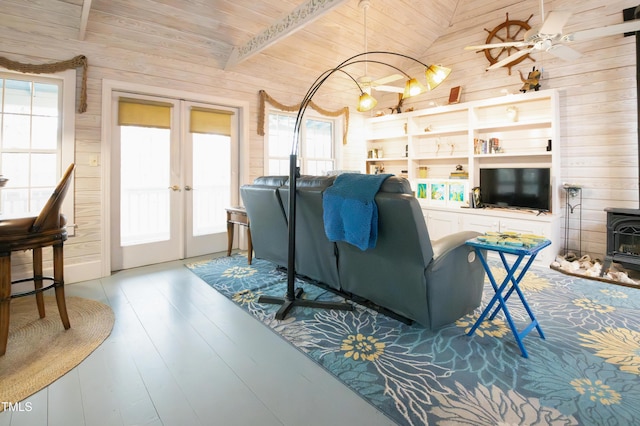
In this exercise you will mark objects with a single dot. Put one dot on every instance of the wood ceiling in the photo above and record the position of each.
(213, 28)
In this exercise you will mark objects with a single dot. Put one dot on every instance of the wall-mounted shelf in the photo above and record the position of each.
(523, 124)
(427, 145)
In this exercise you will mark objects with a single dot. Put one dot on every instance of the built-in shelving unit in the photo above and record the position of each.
(426, 146)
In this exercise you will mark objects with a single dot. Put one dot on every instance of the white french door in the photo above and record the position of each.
(173, 173)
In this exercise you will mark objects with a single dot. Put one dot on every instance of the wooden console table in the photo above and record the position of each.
(238, 216)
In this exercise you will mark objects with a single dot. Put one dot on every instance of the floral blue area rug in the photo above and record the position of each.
(586, 372)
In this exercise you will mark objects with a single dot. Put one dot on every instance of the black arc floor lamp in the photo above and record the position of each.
(434, 74)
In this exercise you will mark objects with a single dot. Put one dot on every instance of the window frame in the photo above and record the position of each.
(337, 126)
(66, 150)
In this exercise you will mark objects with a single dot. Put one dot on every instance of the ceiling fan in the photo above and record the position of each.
(550, 38)
(367, 82)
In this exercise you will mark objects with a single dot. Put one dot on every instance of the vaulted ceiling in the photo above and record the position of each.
(333, 30)
(288, 42)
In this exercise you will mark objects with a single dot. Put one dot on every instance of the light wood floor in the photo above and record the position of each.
(182, 354)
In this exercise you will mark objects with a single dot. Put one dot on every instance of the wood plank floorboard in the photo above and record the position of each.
(182, 354)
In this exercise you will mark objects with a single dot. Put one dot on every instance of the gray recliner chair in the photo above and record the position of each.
(267, 220)
(431, 282)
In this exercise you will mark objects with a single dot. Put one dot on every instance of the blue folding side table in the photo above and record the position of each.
(521, 252)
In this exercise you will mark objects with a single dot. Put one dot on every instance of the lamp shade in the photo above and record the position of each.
(436, 74)
(366, 102)
(413, 88)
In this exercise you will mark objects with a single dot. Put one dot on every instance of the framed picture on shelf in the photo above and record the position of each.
(421, 192)
(438, 193)
(458, 194)
(454, 95)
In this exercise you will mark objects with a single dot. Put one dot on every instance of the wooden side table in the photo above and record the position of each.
(238, 216)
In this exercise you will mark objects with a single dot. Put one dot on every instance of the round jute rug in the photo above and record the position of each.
(39, 351)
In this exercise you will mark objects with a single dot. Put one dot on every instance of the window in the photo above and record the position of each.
(36, 139)
(316, 155)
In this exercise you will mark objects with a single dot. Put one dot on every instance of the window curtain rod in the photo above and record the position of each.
(264, 98)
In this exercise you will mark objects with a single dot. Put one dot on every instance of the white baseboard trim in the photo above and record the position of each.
(82, 272)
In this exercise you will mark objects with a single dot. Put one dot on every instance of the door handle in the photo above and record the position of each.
(188, 188)
(175, 188)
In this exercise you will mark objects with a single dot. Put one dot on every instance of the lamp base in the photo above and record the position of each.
(289, 302)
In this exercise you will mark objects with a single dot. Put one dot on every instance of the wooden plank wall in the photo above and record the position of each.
(599, 136)
(47, 31)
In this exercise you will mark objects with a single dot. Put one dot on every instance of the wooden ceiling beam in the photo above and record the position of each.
(84, 18)
(284, 27)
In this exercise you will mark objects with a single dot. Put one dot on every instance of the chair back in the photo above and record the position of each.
(267, 218)
(49, 216)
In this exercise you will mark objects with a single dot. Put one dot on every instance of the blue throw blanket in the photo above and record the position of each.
(350, 211)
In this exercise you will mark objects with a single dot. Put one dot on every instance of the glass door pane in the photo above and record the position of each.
(211, 183)
(144, 182)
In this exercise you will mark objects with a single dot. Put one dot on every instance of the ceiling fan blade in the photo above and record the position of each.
(494, 45)
(511, 58)
(388, 79)
(627, 27)
(564, 52)
(555, 22)
(394, 89)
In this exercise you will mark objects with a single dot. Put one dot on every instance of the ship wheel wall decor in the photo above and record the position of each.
(506, 32)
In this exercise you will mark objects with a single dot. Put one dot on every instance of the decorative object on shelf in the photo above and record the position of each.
(422, 191)
(438, 193)
(434, 75)
(458, 193)
(532, 82)
(454, 95)
(459, 173)
(494, 146)
(573, 199)
(428, 128)
(3, 181)
(398, 108)
(512, 113)
(453, 147)
(423, 172)
(548, 37)
(482, 146)
(476, 198)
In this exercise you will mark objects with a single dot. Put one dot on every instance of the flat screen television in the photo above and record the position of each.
(518, 188)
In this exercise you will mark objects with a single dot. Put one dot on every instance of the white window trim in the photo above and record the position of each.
(68, 134)
(338, 126)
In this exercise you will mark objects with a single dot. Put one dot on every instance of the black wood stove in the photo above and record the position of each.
(623, 238)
